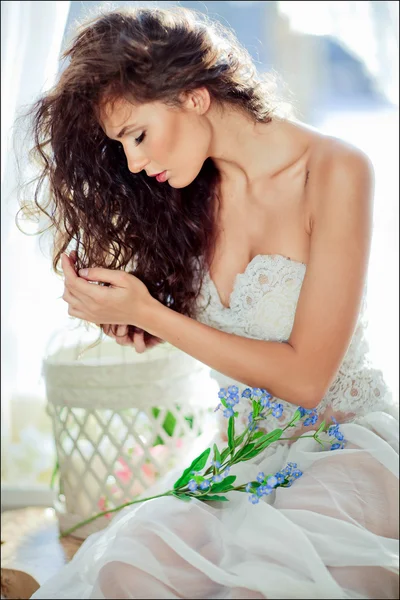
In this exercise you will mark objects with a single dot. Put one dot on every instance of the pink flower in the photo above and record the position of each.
(125, 473)
(102, 504)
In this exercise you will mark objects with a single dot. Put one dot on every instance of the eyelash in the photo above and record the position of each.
(140, 139)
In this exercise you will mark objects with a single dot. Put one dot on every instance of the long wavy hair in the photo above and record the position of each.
(94, 204)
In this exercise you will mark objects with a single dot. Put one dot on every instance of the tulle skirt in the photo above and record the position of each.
(333, 534)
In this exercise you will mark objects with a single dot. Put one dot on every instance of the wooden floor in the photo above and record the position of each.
(30, 544)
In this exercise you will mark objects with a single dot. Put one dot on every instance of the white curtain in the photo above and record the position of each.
(31, 36)
(368, 30)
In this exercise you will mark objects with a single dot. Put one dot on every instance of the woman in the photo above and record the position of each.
(242, 238)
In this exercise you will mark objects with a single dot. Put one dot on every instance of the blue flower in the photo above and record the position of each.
(217, 478)
(226, 472)
(280, 477)
(296, 473)
(277, 410)
(228, 412)
(335, 446)
(216, 464)
(333, 430)
(265, 401)
(310, 420)
(222, 393)
(204, 485)
(233, 390)
(272, 481)
(339, 436)
(249, 487)
(261, 477)
(192, 485)
(334, 420)
(292, 464)
(246, 393)
(257, 392)
(254, 499)
(218, 407)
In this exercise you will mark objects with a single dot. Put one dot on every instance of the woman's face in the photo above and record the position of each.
(161, 139)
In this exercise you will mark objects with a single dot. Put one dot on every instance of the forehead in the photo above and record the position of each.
(119, 113)
(115, 114)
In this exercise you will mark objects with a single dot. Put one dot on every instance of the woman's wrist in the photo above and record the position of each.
(148, 317)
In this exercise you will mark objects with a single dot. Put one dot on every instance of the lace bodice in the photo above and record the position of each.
(263, 306)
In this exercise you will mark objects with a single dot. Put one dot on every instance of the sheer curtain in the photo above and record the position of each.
(368, 30)
(31, 35)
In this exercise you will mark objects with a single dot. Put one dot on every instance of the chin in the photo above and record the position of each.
(182, 182)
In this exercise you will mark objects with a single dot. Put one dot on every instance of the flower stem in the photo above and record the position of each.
(106, 512)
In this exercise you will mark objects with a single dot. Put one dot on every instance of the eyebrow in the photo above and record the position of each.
(125, 129)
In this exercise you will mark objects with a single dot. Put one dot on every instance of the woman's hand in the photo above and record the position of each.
(122, 338)
(125, 302)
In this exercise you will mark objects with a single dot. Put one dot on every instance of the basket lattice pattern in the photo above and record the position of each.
(109, 457)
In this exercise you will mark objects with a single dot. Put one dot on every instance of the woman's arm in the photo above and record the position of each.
(301, 370)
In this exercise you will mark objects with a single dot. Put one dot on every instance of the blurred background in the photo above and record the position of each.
(338, 62)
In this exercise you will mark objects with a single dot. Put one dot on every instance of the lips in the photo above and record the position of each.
(161, 177)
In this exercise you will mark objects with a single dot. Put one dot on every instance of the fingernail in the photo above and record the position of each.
(83, 272)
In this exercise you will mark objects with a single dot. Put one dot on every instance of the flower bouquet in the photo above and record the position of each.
(208, 477)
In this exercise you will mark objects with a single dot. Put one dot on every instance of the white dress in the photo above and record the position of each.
(333, 534)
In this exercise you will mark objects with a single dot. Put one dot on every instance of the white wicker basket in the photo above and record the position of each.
(121, 420)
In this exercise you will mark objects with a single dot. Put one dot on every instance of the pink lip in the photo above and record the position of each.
(161, 177)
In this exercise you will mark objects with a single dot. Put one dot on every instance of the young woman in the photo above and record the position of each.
(242, 238)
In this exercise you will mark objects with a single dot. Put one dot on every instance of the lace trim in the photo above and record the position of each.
(263, 306)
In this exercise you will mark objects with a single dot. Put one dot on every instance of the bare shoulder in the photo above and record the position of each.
(338, 171)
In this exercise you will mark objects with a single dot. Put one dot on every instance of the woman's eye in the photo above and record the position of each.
(140, 139)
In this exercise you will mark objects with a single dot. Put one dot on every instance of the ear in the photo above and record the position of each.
(197, 100)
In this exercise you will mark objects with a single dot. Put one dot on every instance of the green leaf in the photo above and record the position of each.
(217, 455)
(223, 401)
(224, 485)
(257, 435)
(183, 497)
(239, 439)
(197, 465)
(251, 454)
(225, 454)
(247, 448)
(256, 408)
(265, 441)
(296, 417)
(321, 427)
(231, 434)
(212, 498)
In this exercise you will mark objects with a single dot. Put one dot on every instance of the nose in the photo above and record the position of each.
(137, 165)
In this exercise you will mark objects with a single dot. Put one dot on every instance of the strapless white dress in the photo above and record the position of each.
(333, 534)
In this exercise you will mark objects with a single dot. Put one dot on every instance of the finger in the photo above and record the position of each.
(68, 268)
(78, 285)
(69, 297)
(121, 331)
(108, 330)
(116, 278)
(139, 343)
(124, 341)
(153, 342)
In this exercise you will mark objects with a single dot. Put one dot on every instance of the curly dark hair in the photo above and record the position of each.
(95, 205)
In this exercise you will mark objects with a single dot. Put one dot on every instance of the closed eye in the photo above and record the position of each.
(140, 139)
